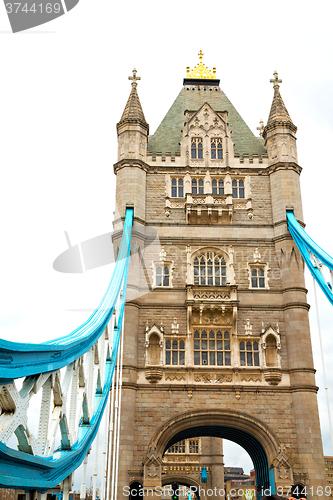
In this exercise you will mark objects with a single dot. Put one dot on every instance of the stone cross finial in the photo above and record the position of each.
(134, 78)
(261, 127)
(276, 80)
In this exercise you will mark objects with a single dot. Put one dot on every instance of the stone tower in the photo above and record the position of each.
(217, 340)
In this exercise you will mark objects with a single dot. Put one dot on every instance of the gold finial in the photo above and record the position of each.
(134, 78)
(276, 80)
(261, 128)
(201, 71)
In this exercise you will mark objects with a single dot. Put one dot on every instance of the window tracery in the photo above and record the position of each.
(238, 190)
(216, 150)
(212, 347)
(177, 187)
(217, 186)
(249, 353)
(210, 268)
(162, 276)
(196, 148)
(197, 186)
(175, 352)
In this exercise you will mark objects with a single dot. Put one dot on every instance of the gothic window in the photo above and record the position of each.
(162, 276)
(193, 446)
(185, 446)
(197, 186)
(196, 148)
(217, 186)
(177, 188)
(238, 188)
(249, 353)
(175, 352)
(212, 348)
(177, 447)
(258, 277)
(216, 149)
(210, 269)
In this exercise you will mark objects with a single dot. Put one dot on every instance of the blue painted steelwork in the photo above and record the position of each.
(24, 471)
(204, 475)
(307, 247)
(22, 359)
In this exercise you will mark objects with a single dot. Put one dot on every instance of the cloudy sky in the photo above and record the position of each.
(63, 88)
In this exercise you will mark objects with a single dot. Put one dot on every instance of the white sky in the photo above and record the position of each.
(63, 89)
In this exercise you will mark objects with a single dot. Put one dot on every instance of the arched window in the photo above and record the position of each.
(196, 148)
(212, 348)
(177, 188)
(175, 352)
(217, 186)
(216, 151)
(257, 277)
(249, 353)
(238, 188)
(201, 186)
(162, 276)
(210, 269)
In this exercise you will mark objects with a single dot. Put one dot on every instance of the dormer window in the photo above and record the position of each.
(196, 148)
(177, 188)
(238, 188)
(217, 186)
(216, 150)
(197, 186)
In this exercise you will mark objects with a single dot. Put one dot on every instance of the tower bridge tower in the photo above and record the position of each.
(217, 339)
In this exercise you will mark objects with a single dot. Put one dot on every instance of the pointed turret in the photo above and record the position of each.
(132, 128)
(133, 111)
(131, 168)
(280, 132)
(278, 112)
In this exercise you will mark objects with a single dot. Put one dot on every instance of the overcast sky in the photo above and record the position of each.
(63, 89)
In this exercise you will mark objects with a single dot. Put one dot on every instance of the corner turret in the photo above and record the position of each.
(131, 168)
(280, 132)
(132, 128)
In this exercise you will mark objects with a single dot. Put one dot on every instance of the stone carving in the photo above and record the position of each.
(283, 465)
(211, 295)
(248, 328)
(220, 201)
(207, 378)
(251, 378)
(199, 201)
(174, 327)
(175, 376)
(221, 379)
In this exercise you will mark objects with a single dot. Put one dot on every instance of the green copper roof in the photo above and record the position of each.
(169, 133)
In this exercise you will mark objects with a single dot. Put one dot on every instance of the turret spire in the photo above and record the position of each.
(278, 112)
(133, 111)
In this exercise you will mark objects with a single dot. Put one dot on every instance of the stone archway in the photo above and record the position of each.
(252, 434)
